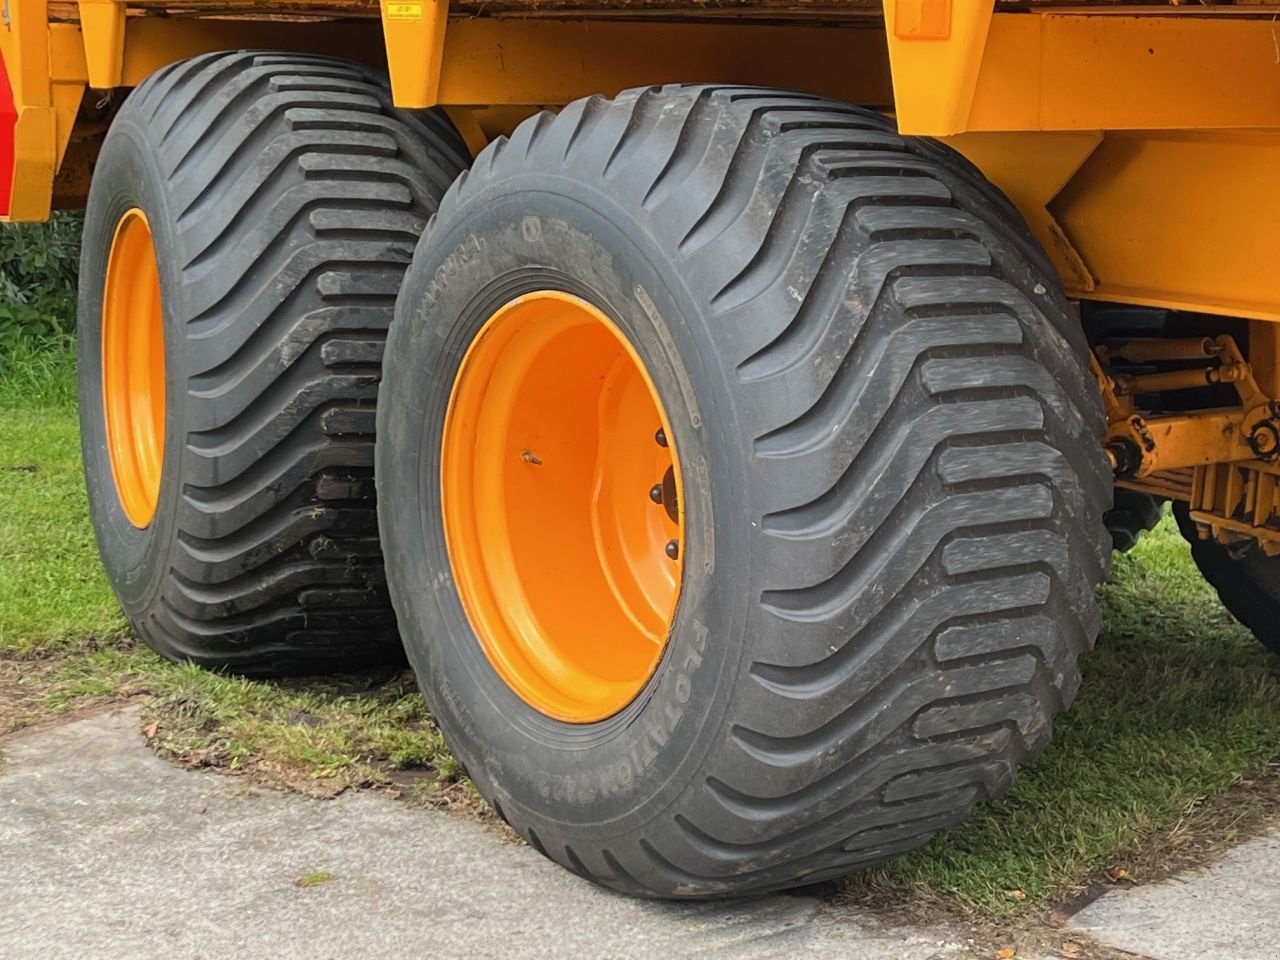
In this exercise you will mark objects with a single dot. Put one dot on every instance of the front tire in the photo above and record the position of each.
(892, 485)
(249, 222)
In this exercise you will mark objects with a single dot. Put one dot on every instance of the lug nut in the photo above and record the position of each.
(655, 493)
(660, 437)
(673, 549)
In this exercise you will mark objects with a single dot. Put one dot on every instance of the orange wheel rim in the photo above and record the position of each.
(561, 498)
(133, 367)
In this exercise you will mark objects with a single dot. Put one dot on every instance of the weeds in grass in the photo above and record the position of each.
(38, 267)
(38, 372)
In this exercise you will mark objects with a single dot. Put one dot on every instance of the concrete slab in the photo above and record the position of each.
(1229, 910)
(108, 852)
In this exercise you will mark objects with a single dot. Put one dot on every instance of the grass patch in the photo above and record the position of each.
(314, 879)
(52, 588)
(65, 643)
(1178, 702)
(38, 373)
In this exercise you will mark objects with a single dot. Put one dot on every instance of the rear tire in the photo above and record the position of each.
(892, 484)
(1132, 514)
(1247, 581)
(285, 197)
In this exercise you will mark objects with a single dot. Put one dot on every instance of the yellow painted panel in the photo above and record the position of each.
(936, 54)
(492, 62)
(154, 42)
(35, 146)
(1186, 219)
(414, 34)
(27, 58)
(1031, 169)
(1056, 71)
(103, 24)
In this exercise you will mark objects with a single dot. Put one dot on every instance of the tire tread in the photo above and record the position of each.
(298, 193)
(923, 433)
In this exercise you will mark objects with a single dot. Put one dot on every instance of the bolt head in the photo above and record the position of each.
(673, 549)
(655, 493)
(660, 438)
(1263, 439)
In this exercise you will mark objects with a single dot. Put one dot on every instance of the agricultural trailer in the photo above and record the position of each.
(729, 406)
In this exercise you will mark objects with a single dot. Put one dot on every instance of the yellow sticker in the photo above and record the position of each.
(404, 11)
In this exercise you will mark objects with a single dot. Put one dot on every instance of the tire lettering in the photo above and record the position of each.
(452, 265)
(684, 689)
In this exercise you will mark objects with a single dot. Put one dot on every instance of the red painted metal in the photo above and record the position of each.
(8, 123)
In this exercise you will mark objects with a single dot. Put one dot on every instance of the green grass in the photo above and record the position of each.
(38, 373)
(59, 622)
(1178, 702)
(52, 589)
(314, 879)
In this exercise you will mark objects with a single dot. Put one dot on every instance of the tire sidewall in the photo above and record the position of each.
(606, 778)
(135, 559)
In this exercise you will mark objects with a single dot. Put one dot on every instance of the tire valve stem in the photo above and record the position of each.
(673, 549)
(655, 493)
(660, 437)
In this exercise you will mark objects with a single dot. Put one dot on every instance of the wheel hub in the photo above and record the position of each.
(561, 506)
(133, 369)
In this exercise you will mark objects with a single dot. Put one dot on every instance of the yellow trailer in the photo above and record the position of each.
(752, 392)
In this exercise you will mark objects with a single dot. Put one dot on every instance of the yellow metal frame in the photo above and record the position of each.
(1226, 461)
(1005, 80)
(45, 63)
(1141, 444)
(1138, 140)
(1232, 503)
(414, 34)
(1152, 68)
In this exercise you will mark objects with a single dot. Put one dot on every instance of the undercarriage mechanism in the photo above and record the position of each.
(1190, 416)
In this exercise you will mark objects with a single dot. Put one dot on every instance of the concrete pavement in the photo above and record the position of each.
(1229, 910)
(107, 851)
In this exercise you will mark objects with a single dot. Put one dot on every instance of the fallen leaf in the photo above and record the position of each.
(1070, 949)
(1117, 874)
(150, 729)
(1017, 895)
(1005, 953)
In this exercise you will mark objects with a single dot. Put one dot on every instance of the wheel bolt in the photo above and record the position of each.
(673, 549)
(655, 493)
(661, 437)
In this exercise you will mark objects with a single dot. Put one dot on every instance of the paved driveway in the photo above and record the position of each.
(107, 851)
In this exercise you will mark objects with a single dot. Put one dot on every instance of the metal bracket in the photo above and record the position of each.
(1233, 452)
(1141, 443)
